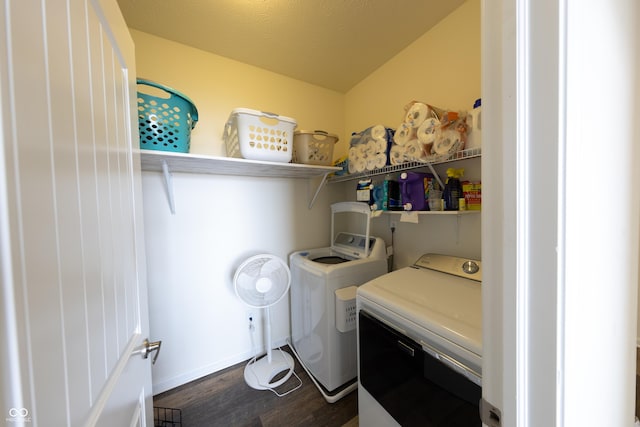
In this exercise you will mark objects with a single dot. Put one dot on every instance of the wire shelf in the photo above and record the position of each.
(458, 155)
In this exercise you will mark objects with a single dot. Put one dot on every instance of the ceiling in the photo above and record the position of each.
(329, 43)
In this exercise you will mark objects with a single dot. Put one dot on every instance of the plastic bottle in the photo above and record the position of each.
(364, 191)
(394, 198)
(412, 191)
(474, 123)
(453, 189)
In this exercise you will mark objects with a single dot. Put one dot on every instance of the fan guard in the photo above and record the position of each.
(262, 280)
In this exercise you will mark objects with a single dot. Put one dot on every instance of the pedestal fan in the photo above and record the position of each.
(261, 281)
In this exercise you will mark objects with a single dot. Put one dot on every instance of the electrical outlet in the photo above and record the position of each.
(252, 319)
(393, 224)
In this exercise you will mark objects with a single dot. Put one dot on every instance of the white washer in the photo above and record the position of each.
(420, 345)
(323, 302)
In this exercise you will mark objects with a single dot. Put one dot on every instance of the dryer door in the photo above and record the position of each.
(413, 386)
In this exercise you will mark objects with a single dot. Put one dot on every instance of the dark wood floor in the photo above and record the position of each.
(224, 399)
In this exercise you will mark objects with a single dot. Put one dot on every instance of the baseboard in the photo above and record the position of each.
(178, 380)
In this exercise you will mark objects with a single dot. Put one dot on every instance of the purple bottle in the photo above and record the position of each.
(412, 190)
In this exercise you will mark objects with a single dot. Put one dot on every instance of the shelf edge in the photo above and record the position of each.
(152, 160)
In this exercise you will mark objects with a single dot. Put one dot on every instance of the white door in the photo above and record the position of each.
(74, 302)
(560, 269)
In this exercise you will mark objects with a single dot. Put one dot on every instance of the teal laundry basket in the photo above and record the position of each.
(165, 117)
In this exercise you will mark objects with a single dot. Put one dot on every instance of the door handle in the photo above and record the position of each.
(406, 348)
(148, 348)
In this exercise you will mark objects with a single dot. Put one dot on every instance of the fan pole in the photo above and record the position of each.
(268, 312)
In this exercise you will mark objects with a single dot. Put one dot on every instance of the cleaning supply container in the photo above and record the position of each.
(413, 190)
(386, 196)
(474, 127)
(165, 117)
(453, 190)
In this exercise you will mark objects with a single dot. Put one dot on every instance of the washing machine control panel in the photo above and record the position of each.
(352, 243)
(463, 267)
(355, 241)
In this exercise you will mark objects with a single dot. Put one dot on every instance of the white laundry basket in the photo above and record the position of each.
(258, 135)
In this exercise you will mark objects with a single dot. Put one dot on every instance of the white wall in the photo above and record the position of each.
(222, 220)
(219, 222)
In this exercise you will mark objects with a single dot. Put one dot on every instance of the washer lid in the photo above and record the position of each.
(448, 305)
(364, 212)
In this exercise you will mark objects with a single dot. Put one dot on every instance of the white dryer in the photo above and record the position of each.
(323, 302)
(420, 346)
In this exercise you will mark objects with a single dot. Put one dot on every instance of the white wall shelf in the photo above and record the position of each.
(152, 160)
(428, 212)
(168, 162)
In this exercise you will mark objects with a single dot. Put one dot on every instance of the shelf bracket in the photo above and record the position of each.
(320, 185)
(168, 183)
(435, 174)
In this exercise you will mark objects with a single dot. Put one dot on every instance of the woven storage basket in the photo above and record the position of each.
(165, 117)
(257, 135)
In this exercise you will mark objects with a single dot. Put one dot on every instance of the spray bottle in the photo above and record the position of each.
(453, 190)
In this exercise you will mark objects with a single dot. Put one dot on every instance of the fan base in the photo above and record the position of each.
(258, 374)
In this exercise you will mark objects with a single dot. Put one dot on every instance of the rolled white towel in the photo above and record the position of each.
(352, 166)
(356, 159)
(426, 133)
(417, 113)
(381, 145)
(404, 133)
(371, 163)
(360, 164)
(378, 132)
(396, 155)
(413, 150)
(370, 148)
(380, 160)
(447, 142)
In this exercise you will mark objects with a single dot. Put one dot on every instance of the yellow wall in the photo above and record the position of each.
(217, 85)
(441, 68)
